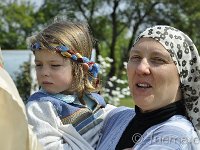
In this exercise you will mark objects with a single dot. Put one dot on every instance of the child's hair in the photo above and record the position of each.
(71, 40)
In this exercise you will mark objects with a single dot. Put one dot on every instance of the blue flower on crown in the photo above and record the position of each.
(74, 57)
(62, 48)
(35, 46)
(85, 60)
(94, 69)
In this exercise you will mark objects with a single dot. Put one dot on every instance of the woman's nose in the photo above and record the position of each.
(143, 67)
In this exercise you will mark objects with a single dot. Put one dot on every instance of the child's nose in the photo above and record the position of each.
(45, 71)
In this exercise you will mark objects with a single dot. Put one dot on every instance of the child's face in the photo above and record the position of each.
(54, 73)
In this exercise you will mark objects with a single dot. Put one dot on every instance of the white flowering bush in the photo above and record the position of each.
(113, 89)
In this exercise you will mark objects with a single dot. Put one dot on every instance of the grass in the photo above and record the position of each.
(128, 101)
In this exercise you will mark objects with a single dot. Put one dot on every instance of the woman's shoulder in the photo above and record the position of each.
(114, 126)
(177, 125)
(117, 118)
(120, 113)
(179, 122)
(175, 133)
(122, 110)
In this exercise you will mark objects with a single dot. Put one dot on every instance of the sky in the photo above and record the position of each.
(13, 59)
(36, 2)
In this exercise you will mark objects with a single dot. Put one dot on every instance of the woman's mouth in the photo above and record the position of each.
(143, 85)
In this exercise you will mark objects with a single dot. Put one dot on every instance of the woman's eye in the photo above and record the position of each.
(159, 60)
(135, 58)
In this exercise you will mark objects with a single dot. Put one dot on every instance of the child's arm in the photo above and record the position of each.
(49, 129)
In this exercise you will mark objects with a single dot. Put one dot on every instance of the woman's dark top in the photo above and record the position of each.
(142, 121)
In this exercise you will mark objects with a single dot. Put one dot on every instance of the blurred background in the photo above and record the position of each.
(114, 24)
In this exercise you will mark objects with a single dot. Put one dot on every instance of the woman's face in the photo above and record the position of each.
(152, 76)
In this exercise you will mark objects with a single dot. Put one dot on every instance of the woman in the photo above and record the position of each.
(163, 75)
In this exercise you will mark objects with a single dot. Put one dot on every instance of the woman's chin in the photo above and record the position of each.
(144, 102)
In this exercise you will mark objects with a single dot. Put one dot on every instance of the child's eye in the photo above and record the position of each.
(55, 65)
(38, 65)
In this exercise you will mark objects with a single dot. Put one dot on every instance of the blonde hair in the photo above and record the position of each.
(77, 37)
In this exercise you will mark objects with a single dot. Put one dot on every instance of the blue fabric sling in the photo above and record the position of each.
(70, 110)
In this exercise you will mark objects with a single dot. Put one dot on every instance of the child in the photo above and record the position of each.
(66, 113)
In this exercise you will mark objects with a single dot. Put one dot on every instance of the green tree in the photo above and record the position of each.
(116, 23)
(23, 81)
(15, 24)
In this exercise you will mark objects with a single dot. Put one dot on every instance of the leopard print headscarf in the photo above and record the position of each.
(187, 60)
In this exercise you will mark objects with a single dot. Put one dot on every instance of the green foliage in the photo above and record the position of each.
(114, 24)
(128, 102)
(23, 81)
(16, 25)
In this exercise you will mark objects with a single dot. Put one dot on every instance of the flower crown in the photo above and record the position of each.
(91, 66)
